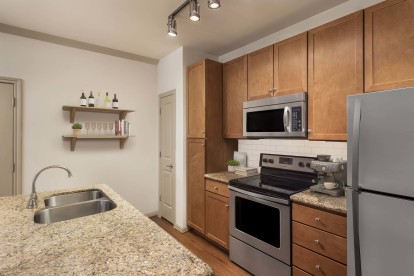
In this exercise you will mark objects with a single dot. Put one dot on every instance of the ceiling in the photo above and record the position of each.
(139, 26)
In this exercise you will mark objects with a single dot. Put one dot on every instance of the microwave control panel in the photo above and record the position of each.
(296, 118)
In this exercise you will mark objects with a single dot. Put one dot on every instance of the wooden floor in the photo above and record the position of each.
(216, 258)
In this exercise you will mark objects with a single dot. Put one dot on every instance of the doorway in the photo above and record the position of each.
(167, 130)
(10, 137)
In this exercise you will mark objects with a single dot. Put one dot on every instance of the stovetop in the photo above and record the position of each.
(283, 177)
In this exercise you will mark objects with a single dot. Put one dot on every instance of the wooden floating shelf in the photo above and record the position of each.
(74, 139)
(73, 109)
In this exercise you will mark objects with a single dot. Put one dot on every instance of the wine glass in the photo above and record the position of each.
(99, 126)
(105, 127)
(87, 127)
(93, 126)
(111, 127)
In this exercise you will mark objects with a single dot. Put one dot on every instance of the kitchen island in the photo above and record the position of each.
(118, 242)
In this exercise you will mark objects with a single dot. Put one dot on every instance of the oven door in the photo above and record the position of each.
(281, 120)
(261, 223)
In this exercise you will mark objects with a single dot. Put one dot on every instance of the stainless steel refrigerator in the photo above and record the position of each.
(380, 192)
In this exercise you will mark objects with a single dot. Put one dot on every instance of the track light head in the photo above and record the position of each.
(214, 4)
(194, 10)
(172, 26)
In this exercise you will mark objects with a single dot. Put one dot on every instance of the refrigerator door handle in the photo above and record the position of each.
(355, 144)
(355, 230)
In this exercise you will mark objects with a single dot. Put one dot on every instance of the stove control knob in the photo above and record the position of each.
(308, 165)
(301, 164)
(271, 161)
(264, 160)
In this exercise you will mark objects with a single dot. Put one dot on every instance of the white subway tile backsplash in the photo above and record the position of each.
(253, 148)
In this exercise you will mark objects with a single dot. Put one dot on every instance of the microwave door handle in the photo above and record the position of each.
(286, 119)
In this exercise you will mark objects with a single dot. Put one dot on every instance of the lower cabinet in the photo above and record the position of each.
(319, 242)
(217, 212)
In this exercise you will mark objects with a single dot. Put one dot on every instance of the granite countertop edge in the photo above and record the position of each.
(321, 201)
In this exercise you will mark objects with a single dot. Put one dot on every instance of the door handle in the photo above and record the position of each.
(170, 166)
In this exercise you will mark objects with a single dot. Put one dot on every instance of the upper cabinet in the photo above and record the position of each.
(196, 87)
(291, 65)
(260, 74)
(389, 45)
(335, 65)
(234, 94)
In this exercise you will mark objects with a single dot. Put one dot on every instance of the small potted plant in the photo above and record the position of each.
(232, 164)
(77, 127)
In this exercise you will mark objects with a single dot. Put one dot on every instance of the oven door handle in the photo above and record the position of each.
(269, 198)
(286, 118)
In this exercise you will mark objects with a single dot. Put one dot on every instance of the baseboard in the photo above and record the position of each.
(181, 229)
(151, 214)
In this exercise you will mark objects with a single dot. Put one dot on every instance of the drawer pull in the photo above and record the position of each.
(318, 267)
(317, 219)
(226, 205)
(316, 241)
(215, 188)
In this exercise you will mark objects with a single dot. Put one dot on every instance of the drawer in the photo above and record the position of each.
(316, 264)
(298, 272)
(322, 242)
(326, 221)
(217, 187)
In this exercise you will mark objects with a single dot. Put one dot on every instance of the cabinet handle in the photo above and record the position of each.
(317, 219)
(316, 241)
(202, 131)
(226, 205)
(216, 188)
(309, 130)
(202, 145)
(317, 267)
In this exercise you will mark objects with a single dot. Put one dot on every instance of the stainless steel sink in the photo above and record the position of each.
(65, 199)
(75, 210)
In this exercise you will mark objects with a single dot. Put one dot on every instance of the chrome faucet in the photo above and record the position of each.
(33, 196)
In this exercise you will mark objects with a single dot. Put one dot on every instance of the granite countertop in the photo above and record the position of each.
(330, 203)
(224, 177)
(118, 242)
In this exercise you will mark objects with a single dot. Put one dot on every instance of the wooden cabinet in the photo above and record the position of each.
(234, 94)
(260, 74)
(195, 184)
(389, 45)
(319, 241)
(217, 218)
(196, 116)
(291, 65)
(207, 150)
(335, 69)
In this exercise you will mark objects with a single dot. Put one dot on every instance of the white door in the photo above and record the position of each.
(167, 156)
(6, 138)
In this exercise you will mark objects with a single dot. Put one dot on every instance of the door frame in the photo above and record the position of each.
(160, 96)
(17, 132)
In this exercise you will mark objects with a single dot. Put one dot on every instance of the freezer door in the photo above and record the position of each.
(386, 135)
(386, 242)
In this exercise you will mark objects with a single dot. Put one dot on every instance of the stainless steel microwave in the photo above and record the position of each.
(281, 116)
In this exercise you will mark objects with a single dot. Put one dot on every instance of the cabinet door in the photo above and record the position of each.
(217, 218)
(335, 72)
(260, 74)
(235, 93)
(196, 100)
(291, 65)
(195, 184)
(389, 45)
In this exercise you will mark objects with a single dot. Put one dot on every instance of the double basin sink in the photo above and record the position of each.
(74, 205)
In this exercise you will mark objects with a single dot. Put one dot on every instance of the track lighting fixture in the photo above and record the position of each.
(194, 10)
(214, 4)
(172, 26)
(194, 13)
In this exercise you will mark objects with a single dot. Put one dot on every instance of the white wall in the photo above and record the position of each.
(337, 12)
(172, 75)
(53, 76)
